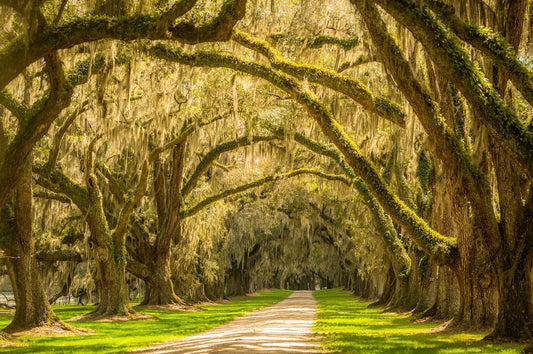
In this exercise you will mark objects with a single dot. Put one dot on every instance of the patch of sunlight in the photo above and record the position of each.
(347, 324)
(110, 337)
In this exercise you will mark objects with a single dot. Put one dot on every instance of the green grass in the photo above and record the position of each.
(119, 337)
(346, 324)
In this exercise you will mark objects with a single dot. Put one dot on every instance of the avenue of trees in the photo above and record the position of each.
(196, 149)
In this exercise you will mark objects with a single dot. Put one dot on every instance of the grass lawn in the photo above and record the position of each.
(119, 337)
(346, 324)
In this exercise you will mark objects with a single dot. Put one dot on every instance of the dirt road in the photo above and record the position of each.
(283, 327)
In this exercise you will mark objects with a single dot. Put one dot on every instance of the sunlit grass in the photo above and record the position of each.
(346, 324)
(119, 337)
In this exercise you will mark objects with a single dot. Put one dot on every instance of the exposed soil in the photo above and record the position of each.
(283, 327)
(171, 307)
(56, 329)
(114, 318)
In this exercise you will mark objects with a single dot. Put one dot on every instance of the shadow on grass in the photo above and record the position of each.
(116, 337)
(347, 324)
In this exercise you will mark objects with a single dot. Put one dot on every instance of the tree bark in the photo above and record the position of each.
(514, 304)
(32, 306)
(111, 283)
(159, 286)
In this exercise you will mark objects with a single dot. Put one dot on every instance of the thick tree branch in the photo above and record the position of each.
(446, 52)
(59, 256)
(55, 180)
(215, 153)
(52, 196)
(259, 182)
(426, 238)
(18, 109)
(349, 86)
(317, 42)
(490, 43)
(17, 55)
(450, 149)
(138, 269)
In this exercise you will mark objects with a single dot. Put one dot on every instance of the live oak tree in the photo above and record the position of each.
(43, 34)
(426, 104)
(450, 146)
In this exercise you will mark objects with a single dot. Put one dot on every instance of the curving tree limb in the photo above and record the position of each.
(259, 182)
(420, 232)
(347, 85)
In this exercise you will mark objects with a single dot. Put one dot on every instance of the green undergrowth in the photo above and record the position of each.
(118, 337)
(347, 324)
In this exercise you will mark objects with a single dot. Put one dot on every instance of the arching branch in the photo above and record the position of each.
(422, 234)
(215, 153)
(451, 149)
(259, 182)
(490, 43)
(446, 52)
(53, 179)
(17, 55)
(349, 86)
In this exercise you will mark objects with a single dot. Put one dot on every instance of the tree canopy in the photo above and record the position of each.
(199, 149)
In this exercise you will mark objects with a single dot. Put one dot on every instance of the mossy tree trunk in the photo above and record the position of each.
(111, 282)
(159, 286)
(110, 261)
(32, 306)
(108, 246)
(514, 305)
(446, 134)
(513, 263)
(151, 259)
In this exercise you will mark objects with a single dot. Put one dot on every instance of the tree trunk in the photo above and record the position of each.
(32, 306)
(514, 304)
(159, 287)
(236, 283)
(111, 283)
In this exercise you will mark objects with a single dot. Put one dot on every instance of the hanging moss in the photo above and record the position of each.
(349, 86)
(447, 53)
(492, 44)
(424, 171)
(423, 266)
